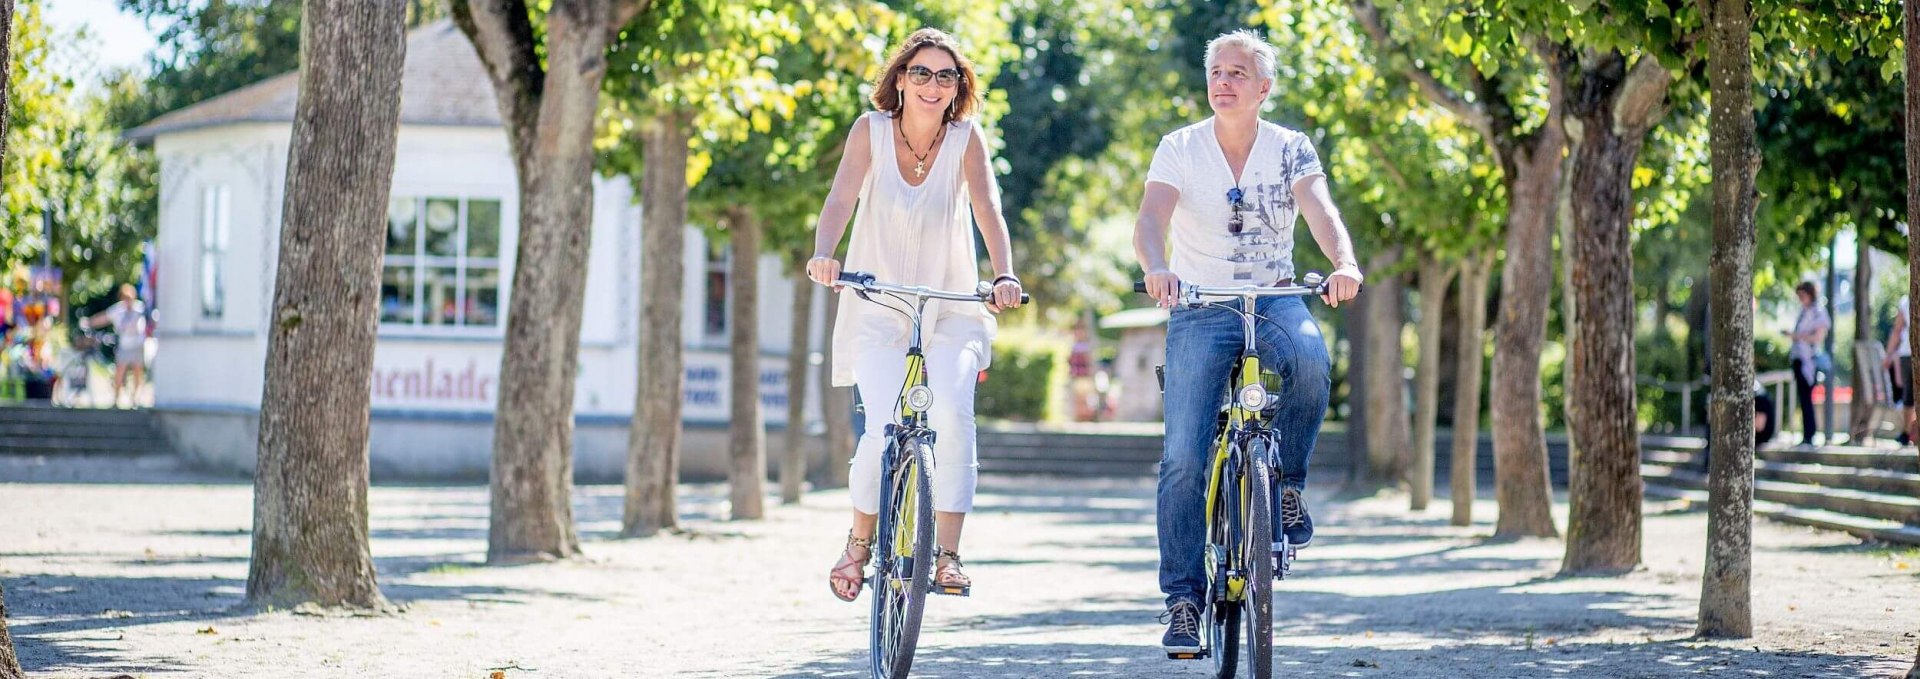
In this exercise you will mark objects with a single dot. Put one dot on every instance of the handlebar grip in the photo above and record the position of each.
(1025, 299)
(1140, 287)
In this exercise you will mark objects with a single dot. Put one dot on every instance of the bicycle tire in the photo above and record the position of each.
(1223, 615)
(900, 588)
(1258, 551)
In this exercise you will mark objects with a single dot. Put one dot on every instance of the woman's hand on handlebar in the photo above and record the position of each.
(824, 270)
(1343, 285)
(1006, 294)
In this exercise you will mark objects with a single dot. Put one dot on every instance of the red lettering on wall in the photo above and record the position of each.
(428, 382)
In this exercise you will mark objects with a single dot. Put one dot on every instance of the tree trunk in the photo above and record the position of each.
(1860, 428)
(1466, 395)
(653, 443)
(1356, 333)
(9, 665)
(747, 433)
(1522, 485)
(836, 407)
(549, 94)
(1912, 29)
(1435, 276)
(793, 458)
(1726, 598)
(1388, 441)
(310, 539)
(1603, 525)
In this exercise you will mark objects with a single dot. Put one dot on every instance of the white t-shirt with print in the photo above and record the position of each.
(1205, 250)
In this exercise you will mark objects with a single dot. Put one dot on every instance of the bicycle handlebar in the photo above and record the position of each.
(866, 281)
(1315, 285)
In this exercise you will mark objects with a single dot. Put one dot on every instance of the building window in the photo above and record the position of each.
(216, 225)
(718, 254)
(442, 266)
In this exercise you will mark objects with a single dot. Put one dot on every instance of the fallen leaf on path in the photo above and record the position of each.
(497, 675)
(117, 614)
(207, 630)
(1366, 663)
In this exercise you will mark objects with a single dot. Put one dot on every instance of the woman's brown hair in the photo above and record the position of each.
(886, 92)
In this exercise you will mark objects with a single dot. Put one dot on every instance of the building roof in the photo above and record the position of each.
(444, 83)
(1147, 317)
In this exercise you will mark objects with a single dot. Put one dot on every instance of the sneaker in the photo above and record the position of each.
(1183, 627)
(1295, 522)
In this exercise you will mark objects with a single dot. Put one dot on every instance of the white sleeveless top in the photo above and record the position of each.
(911, 235)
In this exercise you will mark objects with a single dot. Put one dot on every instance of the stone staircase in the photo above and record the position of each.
(1872, 493)
(46, 430)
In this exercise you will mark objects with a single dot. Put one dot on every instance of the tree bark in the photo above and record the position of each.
(549, 99)
(747, 436)
(1435, 276)
(1522, 485)
(653, 443)
(310, 540)
(1388, 441)
(1726, 600)
(1911, 12)
(793, 457)
(1617, 106)
(836, 407)
(1356, 334)
(1860, 427)
(1466, 395)
(9, 665)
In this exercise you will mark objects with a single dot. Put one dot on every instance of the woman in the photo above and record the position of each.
(1809, 331)
(912, 165)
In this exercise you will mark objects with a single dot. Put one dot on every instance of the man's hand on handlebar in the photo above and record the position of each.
(1164, 287)
(1343, 285)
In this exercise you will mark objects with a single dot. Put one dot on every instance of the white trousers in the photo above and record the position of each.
(953, 368)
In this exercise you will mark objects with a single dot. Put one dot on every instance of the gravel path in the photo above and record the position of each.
(138, 567)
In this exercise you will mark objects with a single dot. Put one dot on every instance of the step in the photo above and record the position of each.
(1672, 458)
(1066, 467)
(68, 430)
(1904, 460)
(1871, 529)
(1869, 480)
(1842, 500)
(48, 415)
(145, 444)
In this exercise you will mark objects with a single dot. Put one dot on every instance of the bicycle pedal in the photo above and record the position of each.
(945, 590)
(1186, 655)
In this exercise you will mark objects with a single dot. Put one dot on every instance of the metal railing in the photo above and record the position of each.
(1779, 384)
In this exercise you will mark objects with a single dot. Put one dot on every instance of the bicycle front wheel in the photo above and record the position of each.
(905, 544)
(1257, 547)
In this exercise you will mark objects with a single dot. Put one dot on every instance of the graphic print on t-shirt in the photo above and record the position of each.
(1264, 240)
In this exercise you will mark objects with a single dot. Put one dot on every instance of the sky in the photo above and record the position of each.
(118, 39)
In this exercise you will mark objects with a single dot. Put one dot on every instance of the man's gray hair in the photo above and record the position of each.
(1263, 52)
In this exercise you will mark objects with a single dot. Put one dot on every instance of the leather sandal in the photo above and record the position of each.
(948, 578)
(849, 571)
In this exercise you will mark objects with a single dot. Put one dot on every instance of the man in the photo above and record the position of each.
(1230, 188)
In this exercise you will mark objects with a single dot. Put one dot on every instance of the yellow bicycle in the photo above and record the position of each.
(903, 541)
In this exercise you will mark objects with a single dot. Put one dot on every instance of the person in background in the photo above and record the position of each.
(1899, 362)
(1809, 331)
(128, 318)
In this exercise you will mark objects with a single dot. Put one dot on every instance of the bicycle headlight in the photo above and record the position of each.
(919, 399)
(1253, 397)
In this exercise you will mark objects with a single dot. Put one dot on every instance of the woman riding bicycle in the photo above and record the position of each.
(912, 166)
(1231, 187)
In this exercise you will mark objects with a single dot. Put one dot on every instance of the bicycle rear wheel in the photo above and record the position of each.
(905, 545)
(1257, 548)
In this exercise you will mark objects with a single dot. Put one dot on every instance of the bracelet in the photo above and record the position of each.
(1007, 277)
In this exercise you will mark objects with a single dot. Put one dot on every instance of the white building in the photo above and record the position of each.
(446, 279)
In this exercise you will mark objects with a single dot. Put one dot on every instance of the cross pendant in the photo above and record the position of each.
(920, 169)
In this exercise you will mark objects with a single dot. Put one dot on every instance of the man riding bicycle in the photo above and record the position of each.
(1230, 187)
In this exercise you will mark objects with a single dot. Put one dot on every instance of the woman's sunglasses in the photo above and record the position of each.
(947, 77)
(1238, 221)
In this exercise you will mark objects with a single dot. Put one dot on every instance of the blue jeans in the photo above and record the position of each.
(1203, 345)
